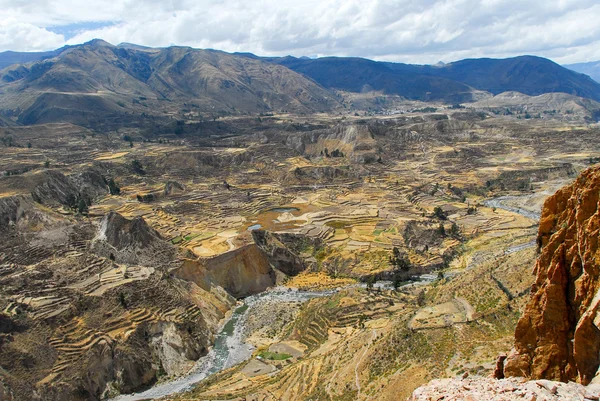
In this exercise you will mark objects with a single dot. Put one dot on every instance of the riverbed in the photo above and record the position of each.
(509, 203)
(230, 347)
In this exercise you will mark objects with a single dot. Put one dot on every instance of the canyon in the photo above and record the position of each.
(180, 223)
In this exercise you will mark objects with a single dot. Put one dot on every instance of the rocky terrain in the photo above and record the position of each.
(557, 336)
(127, 248)
(481, 388)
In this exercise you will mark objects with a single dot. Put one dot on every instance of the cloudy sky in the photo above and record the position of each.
(413, 31)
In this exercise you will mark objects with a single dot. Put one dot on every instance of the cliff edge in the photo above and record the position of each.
(558, 336)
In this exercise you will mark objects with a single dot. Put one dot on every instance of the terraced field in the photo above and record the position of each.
(120, 263)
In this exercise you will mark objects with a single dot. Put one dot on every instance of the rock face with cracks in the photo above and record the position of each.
(130, 241)
(558, 336)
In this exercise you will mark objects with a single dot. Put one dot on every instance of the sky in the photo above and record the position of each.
(423, 32)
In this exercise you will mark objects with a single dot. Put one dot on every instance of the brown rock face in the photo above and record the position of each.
(558, 336)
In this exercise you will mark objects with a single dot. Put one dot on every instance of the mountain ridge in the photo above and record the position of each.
(97, 81)
(530, 75)
(115, 80)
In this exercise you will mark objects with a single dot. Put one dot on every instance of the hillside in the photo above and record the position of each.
(358, 75)
(557, 337)
(97, 79)
(546, 104)
(527, 74)
(122, 258)
(592, 69)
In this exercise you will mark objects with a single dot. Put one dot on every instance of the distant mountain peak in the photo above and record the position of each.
(98, 43)
(127, 45)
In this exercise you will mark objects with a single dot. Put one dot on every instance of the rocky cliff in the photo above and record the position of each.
(130, 241)
(14, 209)
(558, 336)
(354, 141)
(252, 268)
(283, 250)
(241, 272)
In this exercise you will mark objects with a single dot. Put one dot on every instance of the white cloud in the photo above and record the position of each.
(397, 30)
(28, 37)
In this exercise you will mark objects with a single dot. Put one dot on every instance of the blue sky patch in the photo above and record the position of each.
(71, 30)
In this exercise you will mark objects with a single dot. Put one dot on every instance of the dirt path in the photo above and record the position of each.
(469, 311)
(356, 375)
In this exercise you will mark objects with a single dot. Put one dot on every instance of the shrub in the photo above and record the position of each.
(440, 213)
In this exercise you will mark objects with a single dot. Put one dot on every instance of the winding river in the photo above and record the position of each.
(229, 348)
(501, 203)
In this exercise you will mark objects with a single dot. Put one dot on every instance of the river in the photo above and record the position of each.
(501, 203)
(229, 348)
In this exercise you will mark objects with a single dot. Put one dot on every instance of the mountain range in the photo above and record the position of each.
(97, 80)
(529, 75)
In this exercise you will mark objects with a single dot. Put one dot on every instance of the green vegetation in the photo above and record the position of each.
(179, 127)
(454, 230)
(400, 260)
(441, 230)
(440, 213)
(82, 207)
(8, 141)
(338, 224)
(425, 110)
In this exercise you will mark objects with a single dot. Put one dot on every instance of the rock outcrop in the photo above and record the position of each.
(241, 272)
(55, 188)
(173, 187)
(130, 241)
(485, 388)
(13, 209)
(251, 268)
(558, 336)
(354, 141)
(280, 252)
